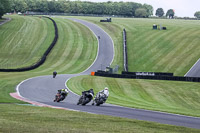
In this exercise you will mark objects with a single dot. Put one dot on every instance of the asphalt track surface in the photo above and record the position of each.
(43, 89)
(194, 71)
(5, 21)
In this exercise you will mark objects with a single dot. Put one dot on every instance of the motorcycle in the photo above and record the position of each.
(100, 99)
(85, 98)
(54, 74)
(59, 97)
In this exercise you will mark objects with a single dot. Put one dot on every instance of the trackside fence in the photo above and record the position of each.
(149, 73)
(42, 59)
(145, 75)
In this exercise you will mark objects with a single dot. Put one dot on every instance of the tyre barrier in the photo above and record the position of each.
(42, 59)
(150, 77)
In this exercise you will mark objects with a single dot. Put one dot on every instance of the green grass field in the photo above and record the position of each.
(76, 48)
(166, 96)
(15, 51)
(72, 50)
(23, 119)
(173, 50)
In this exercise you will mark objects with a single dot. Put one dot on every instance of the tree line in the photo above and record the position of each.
(170, 13)
(128, 9)
(4, 7)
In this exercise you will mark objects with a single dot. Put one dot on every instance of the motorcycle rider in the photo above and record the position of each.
(89, 94)
(54, 74)
(88, 91)
(63, 93)
(105, 92)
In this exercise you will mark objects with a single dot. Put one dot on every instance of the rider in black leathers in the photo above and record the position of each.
(86, 94)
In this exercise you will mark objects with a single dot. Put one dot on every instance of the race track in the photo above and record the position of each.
(34, 89)
(194, 71)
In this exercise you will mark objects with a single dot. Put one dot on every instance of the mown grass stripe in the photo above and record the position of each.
(63, 48)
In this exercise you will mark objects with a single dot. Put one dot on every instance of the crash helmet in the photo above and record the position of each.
(66, 90)
(106, 88)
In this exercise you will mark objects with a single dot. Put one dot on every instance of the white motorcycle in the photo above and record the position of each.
(99, 99)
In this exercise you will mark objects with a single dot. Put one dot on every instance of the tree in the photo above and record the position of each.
(160, 12)
(19, 6)
(149, 9)
(197, 14)
(170, 13)
(41, 6)
(125, 9)
(4, 7)
(141, 13)
(134, 6)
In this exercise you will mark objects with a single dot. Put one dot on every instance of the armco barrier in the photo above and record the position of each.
(149, 73)
(42, 59)
(155, 77)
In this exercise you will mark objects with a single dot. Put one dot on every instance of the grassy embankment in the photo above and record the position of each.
(19, 52)
(174, 50)
(17, 118)
(73, 50)
(166, 96)
(21, 118)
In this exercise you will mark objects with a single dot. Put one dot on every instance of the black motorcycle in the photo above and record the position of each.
(100, 99)
(85, 98)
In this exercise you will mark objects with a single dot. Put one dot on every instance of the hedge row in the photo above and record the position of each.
(42, 59)
(159, 76)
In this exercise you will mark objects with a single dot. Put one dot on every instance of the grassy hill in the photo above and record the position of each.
(173, 50)
(167, 96)
(73, 53)
(74, 49)
(19, 52)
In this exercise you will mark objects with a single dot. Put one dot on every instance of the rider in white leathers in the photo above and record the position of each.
(104, 91)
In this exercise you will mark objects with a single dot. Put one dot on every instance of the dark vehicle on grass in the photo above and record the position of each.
(86, 97)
